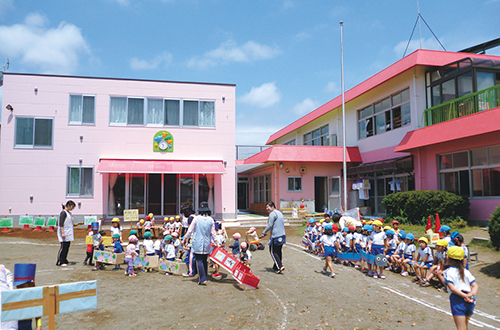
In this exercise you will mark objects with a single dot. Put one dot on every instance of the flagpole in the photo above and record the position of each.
(343, 113)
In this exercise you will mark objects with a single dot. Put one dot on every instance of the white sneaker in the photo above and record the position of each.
(324, 271)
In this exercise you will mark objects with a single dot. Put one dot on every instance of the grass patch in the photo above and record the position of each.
(300, 230)
(482, 243)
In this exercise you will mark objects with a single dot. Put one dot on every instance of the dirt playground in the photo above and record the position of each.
(300, 298)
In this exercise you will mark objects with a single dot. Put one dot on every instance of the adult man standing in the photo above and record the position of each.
(275, 224)
(203, 231)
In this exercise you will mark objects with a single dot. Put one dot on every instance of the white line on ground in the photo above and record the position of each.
(285, 310)
(32, 243)
(429, 305)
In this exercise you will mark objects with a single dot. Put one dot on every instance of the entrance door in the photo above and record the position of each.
(169, 194)
(243, 195)
(154, 194)
(320, 193)
(334, 200)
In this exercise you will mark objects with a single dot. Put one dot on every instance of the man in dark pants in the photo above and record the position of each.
(275, 224)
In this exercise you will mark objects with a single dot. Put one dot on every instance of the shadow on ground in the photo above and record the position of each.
(492, 270)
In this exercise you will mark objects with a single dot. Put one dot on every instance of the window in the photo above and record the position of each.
(290, 143)
(81, 110)
(163, 112)
(482, 172)
(318, 137)
(80, 181)
(199, 113)
(262, 188)
(388, 114)
(294, 183)
(33, 132)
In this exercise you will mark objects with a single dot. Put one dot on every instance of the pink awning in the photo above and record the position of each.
(309, 154)
(161, 166)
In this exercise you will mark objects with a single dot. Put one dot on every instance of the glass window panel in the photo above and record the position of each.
(116, 194)
(137, 192)
(87, 188)
(494, 155)
(405, 95)
(290, 184)
(155, 112)
(448, 88)
(315, 133)
(446, 161)
(465, 84)
(118, 110)
(380, 123)
(135, 114)
(495, 181)
(396, 98)
(436, 75)
(88, 110)
(486, 182)
(362, 129)
(172, 112)
(378, 107)
(24, 131)
(436, 97)
(190, 113)
(369, 127)
(464, 184)
(386, 104)
(388, 125)
(298, 184)
(324, 130)
(477, 183)
(450, 182)
(187, 189)
(75, 108)
(396, 117)
(460, 159)
(43, 132)
(207, 114)
(203, 190)
(485, 80)
(405, 114)
(334, 186)
(380, 187)
(479, 157)
(73, 181)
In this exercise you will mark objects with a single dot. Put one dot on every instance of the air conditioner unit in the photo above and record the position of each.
(303, 170)
(333, 140)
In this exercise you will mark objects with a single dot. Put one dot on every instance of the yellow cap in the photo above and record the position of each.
(456, 252)
(321, 221)
(423, 239)
(377, 223)
(150, 215)
(166, 218)
(115, 220)
(442, 242)
(172, 218)
(387, 227)
(177, 216)
(142, 221)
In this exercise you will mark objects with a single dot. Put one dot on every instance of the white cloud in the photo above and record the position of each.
(230, 52)
(332, 87)
(164, 58)
(42, 49)
(305, 106)
(430, 43)
(263, 96)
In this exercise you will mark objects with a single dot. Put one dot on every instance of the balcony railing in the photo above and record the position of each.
(245, 151)
(463, 106)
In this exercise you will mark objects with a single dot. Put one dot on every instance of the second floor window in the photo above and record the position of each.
(32, 132)
(82, 109)
(318, 137)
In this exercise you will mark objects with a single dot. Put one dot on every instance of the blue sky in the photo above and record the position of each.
(283, 55)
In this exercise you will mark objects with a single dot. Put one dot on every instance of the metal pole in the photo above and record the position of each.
(419, 27)
(343, 113)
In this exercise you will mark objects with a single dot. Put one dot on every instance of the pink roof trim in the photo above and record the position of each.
(310, 154)
(160, 166)
(465, 127)
(422, 57)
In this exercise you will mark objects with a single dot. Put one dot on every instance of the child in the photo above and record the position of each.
(116, 229)
(90, 249)
(398, 256)
(363, 244)
(326, 220)
(458, 240)
(253, 235)
(130, 253)
(149, 248)
(24, 277)
(170, 224)
(176, 242)
(236, 245)
(140, 227)
(117, 247)
(6, 285)
(462, 286)
(438, 264)
(137, 245)
(245, 255)
(328, 240)
(395, 227)
(445, 231)
(157, 245)
(169, 250)
(98, 245)
(165, 223)
(391, 246)
(424, 260)
(377, 245)
(409, 254)
(306, 240)
(178, 224)
(147, 225)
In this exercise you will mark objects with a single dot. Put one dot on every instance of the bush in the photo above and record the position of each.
(417, 206)
(494, 228)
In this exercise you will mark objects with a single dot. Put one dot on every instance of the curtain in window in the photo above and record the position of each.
(118, 110)
(172, 112)
(88, 110)
(210, 183)
(135, 112)
(75, 108)
(73, 181)
(24, 131)
(155, 111)
(207, 114)
(87, 186)
(43, 132)
(111, 199)
(190, 113)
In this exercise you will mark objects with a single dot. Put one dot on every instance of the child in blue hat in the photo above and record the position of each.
(398, 255)
(409, 254)
(117, 247)
(328, 240)
(24, 277)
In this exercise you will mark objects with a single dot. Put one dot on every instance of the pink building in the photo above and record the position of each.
(115, 144)
(429, 121)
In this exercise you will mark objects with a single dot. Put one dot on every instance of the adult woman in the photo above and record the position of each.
(276, 225)
(65, 233)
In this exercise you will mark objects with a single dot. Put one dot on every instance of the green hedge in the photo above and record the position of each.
(494, 228)
(416, 206)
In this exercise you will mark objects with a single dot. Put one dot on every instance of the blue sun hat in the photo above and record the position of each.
(24, 273)
(454, 235)
(329, 226)
(345, 229)
(402, 234)
(168, 238)
(410, 236)
(390, 232)
(147, 234)
(94, 225)
(370, 228)
(312, 220)
(444, 228)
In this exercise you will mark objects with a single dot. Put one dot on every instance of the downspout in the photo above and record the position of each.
(419, 169)
(415, 97)
(276, 183)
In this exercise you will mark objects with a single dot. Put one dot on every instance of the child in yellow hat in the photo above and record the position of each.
(424, 260)
(462, 286)
(438, 264)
